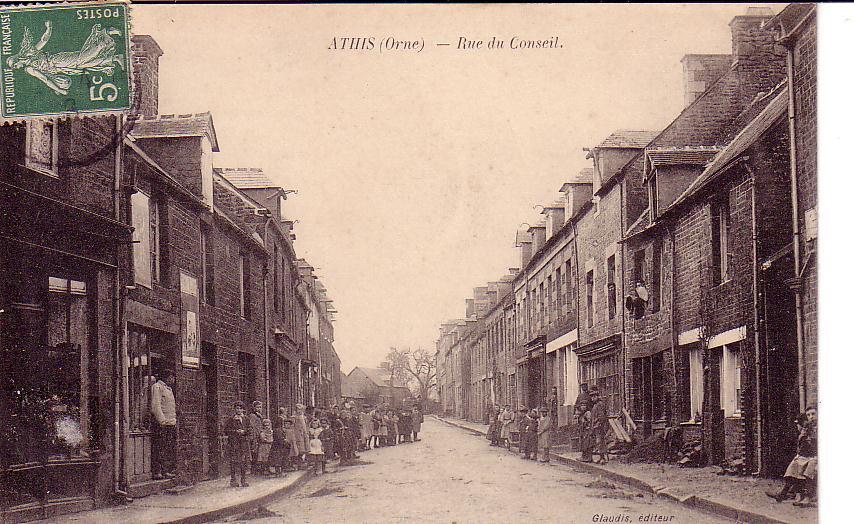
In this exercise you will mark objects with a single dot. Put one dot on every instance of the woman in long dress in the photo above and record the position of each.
(301, 431)
(506, 423)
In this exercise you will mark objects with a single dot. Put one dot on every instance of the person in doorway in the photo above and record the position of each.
(599, 426)
(163, 430)
(544, 433)
(417, 420)
(800, 477)
(256, 424)
(237, 430)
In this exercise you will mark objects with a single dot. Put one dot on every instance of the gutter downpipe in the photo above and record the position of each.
(756, 329)
(266, 329)
(796, 231)
(120, 390)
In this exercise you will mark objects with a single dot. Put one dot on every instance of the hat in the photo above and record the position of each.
(594, 390)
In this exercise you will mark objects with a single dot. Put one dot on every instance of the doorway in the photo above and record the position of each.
(211, 449)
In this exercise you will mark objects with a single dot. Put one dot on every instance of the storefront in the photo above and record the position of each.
(57, 348)
(600, 365)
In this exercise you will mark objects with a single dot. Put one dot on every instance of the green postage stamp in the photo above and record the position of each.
(64, 59)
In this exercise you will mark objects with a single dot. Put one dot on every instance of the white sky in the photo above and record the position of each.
(414, 170)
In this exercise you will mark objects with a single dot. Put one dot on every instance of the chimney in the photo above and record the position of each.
(523, 242)
(469, 308)
(146, 71)
(699, 72)
(554, 218)
(760, 62)
(539, 234)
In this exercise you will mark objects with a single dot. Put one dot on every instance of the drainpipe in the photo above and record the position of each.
(120, 390)
(796, 230)
(756, 332)
(267, 329)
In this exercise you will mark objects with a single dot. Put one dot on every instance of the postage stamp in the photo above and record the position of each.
(64, 59)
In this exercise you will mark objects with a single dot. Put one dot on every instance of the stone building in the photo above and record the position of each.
(63, 261)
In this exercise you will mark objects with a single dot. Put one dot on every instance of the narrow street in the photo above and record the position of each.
(454, 476)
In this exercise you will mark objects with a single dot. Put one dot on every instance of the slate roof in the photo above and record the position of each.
(246, 177)
(628, 138)
(677, 156)
(751, 133)
(585, 176)
(161, 126)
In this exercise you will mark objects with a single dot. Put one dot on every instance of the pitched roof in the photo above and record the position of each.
(628, 138)
(378, 376)
(199, 124)
(246, 177)
(776, 108)
(681, 156)
(585, 176)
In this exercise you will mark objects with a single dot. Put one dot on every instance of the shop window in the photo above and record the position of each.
(611, 285)
(721, 256)
(42, 147)
(50, 374)
(730, 380)
(604, 374)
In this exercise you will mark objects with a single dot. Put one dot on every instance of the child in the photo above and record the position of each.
(315, 447)
(265, 443)
(237, 430)
(327, 437)
(292, 456)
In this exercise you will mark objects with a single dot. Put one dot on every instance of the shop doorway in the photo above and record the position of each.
(211, 448)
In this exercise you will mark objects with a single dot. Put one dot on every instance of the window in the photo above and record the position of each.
(245, 378)
(720, 243)
(590, 298)
(276, 283)
(208, 291)
(559, 285)
(653, 196)
(612, 286)
(550, 305)
(730, 368)
(655, 290)
(42, 147)
(570, 286)
(641, 293)
(245, 279)
(141, 218)
(158, 243)
(604, 373)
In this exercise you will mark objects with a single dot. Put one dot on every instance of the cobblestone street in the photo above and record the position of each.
(453, 476)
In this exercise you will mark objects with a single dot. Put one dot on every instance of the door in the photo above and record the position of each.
(211, 449)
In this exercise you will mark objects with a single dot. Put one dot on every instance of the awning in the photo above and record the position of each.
(598, 349)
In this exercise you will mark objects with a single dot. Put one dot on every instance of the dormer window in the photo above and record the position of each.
(652, 184)
(282, 207)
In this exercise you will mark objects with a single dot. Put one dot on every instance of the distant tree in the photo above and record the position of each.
(413, 369)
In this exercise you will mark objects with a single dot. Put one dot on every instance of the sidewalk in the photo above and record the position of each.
(203, 502)
(738, 498)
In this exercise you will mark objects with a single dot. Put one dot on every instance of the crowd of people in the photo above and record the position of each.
(531, 428)
(312, 437)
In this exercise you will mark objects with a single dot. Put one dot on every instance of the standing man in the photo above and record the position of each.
(599, 425)
(237, 430)
(417, 419)
(163, 429)
(256, 423)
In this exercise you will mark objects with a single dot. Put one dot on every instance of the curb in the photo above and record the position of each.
(692, 501)
(242, 507)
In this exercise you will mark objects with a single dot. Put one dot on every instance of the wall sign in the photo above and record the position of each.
(190, 333)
